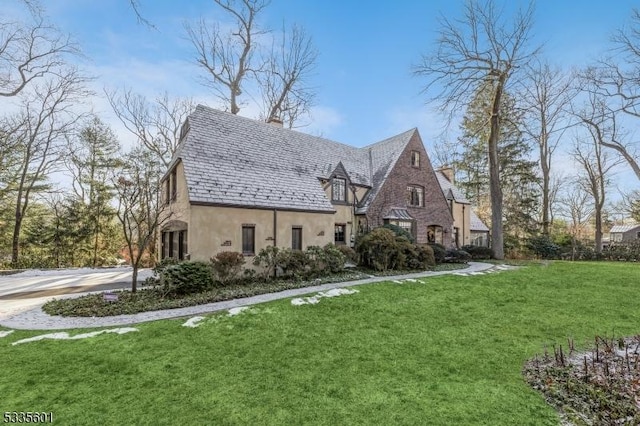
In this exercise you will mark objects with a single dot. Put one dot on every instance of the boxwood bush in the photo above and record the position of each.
(186, 278)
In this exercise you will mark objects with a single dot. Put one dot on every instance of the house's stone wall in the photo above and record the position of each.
(393, 194)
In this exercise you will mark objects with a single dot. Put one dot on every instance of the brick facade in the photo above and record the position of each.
(393, 194)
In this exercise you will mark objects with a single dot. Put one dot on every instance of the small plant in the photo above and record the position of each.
(227, 265)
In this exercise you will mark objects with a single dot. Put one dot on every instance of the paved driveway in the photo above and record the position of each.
(23, 291)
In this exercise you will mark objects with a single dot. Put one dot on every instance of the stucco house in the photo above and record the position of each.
(468, 229)
(237, 184)
(624, 233)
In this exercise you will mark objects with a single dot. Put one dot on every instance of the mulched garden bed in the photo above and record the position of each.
(600, 386)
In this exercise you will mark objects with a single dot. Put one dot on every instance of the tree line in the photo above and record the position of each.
(517, 106)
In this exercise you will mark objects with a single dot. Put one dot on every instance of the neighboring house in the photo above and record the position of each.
(237, 184)
(624, 233)
(468, 229)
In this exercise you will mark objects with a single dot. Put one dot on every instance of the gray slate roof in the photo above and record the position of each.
(624, 228)
(477, 224)
(447, 186)
(232, 160)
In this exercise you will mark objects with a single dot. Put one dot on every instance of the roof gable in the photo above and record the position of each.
(382, 158)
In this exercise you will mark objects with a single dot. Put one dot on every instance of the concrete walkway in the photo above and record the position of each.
(36, 319)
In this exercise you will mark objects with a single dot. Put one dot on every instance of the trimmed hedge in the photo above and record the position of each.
(479, 252)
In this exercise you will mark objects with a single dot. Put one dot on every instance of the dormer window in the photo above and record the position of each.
(415, 159)
(339, 189)
(184, 129)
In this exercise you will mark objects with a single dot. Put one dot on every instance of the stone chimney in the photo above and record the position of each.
(275, 122)
(448, 173)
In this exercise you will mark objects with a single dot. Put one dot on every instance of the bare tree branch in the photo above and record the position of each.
(285, 96)
(30, 51)
(545, 98)
(481, 48)
(228, 57)
(156, 124)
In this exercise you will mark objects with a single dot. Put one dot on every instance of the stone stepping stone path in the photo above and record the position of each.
(66, 336)
(312, 300)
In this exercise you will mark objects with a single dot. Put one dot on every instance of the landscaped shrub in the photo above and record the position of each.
(426, 256)
(292, 263)
(417, 256)
(479, 252)
(186, 278)
(334, 259)
(624, 252)
(227, 266)
(349, 253)
(400, 232)
(542, 246)
(439, 252)
(267, 260)
(457, 256)
(378, 249)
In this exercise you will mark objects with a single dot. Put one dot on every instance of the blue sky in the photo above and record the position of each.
(366, 91)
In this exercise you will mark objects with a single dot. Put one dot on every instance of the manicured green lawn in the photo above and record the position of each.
(446, 352)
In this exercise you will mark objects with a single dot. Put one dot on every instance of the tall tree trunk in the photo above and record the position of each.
(598, 247)
(15, 244)
(544, 165)
(495, 188)
(134, 278)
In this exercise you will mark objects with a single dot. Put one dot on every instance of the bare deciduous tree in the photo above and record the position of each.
(616, 80)
(45, 117)
(282, 81)
(546, 97)
(576, 205)
(140, 211)
(29, 51)
(481, 48)
(227, 57)
(231, 59)
(156, 124)
(596, 163)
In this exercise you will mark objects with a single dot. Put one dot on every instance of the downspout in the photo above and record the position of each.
(463, 221)
(275, 232)
(275, 226)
